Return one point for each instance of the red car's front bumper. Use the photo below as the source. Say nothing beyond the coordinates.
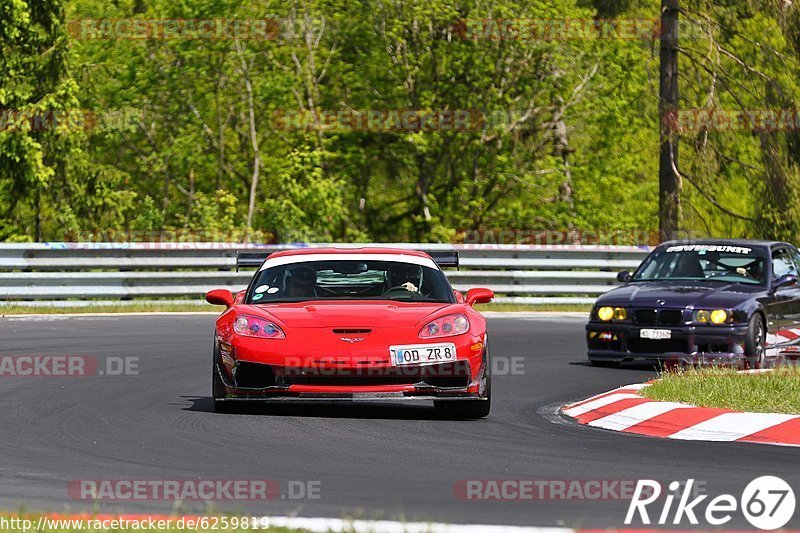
(250, 372)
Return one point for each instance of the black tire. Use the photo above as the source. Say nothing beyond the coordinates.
(755, 345)
(469, 409)
(218, 388)
(217, 392)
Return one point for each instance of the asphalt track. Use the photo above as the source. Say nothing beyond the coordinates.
(373, 462)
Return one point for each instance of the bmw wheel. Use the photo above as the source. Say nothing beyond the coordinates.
(755, 344)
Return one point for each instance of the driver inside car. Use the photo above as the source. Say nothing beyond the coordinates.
(301, 282)
(405, 276)
(688, 267)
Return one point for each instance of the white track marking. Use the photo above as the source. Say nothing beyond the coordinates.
(596, 404)
(731, 426)
(625, 389)
(634, 415)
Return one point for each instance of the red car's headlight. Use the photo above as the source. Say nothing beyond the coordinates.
(252, 326)
(445, 326)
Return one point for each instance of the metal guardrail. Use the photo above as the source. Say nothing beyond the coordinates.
(92, 273)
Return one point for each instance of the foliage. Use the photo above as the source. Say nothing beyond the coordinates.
(777, 391)
(191, 135)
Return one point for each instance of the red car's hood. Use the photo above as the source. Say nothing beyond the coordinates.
(350, 315)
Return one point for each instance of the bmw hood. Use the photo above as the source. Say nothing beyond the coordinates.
(679, 294)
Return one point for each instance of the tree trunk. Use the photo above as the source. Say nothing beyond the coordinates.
(669, 200)
(251, 207)
(37, 223)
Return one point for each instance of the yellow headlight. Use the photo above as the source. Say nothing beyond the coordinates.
(620, 313)
(718, 316)
(703, 316)
(605, 313)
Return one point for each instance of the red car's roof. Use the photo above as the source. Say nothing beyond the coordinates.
(347, 251)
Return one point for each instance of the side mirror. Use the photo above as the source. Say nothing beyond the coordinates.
(459, 296)
(479, 296)
(784, 281)
(623, 276)
(220, 297)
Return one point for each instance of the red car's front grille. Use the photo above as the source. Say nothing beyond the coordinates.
(446, 375)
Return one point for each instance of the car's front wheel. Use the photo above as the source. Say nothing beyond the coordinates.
(469, 409)
(218, 392)
(218, 388)
(755, 345)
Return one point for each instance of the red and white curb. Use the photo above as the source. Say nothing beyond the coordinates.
(785, 336)
(623, 409)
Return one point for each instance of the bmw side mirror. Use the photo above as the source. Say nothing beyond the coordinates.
(479, 296)
(784, 281)
(220, 297)
(623, 276)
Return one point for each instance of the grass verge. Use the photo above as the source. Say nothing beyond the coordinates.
(769, 392)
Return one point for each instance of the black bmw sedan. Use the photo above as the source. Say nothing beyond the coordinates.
(709, 301)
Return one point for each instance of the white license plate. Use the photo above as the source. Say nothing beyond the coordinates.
(655, 334)
(422, 354)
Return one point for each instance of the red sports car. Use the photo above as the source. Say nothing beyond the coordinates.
(345, 324)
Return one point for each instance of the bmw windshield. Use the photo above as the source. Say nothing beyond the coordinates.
(350, 280)
(732, 264)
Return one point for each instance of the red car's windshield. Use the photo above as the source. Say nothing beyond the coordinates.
(350, 280)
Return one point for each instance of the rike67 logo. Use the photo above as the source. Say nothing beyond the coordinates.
(767, 502)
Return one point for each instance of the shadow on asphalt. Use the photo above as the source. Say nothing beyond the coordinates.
(359, 410)
(648, 367)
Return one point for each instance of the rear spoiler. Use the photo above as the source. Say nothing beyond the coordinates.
(445, 258)
(250, 259)
(245, 259)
